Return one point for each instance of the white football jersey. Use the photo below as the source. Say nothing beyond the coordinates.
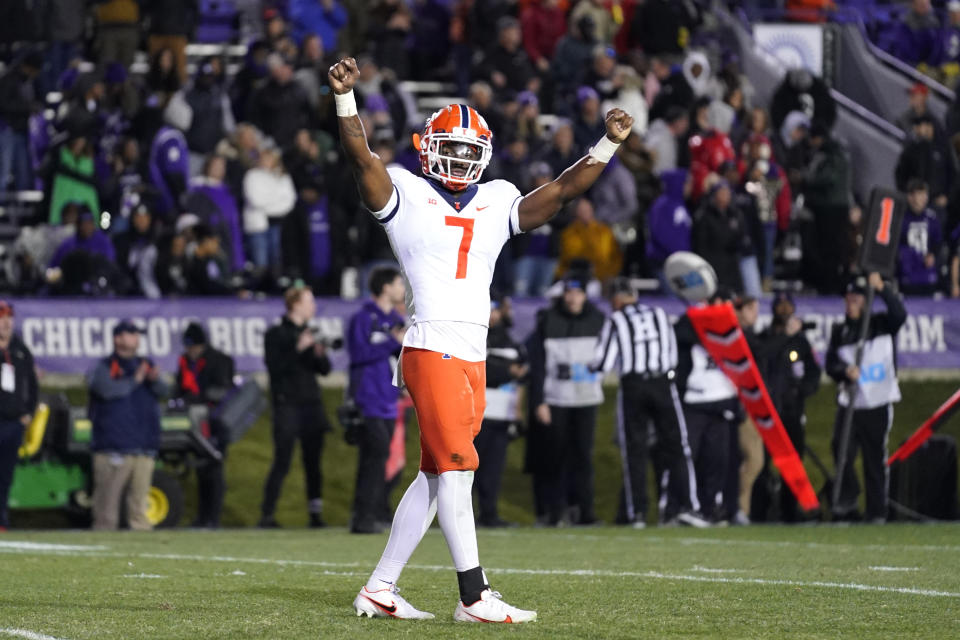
(447, 255)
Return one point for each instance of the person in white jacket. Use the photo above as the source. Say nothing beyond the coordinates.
(268, 196)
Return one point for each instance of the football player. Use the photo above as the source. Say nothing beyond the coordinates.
(447, 231)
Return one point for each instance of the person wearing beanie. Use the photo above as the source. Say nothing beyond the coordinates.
(564, 394)
(205, 377)
(877, 389)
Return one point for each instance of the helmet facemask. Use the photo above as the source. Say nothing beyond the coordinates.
(456, 160)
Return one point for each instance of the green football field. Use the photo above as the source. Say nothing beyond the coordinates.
(896, 581)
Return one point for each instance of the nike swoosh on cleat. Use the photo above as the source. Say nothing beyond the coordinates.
(392, 609)
(506, 620)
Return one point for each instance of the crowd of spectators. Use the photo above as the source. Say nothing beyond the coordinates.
(212, 177)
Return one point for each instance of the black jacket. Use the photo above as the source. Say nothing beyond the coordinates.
(207, 277)
(293, 374)
(502, 352)
(280, 110)
(928, 160)
(23, 399)
(718, 237)
(17, 99)
(206, 128)
(791, 373)
(207, 380)
(848, 331)
(171, 17)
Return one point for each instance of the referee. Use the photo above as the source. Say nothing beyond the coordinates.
(639, 341)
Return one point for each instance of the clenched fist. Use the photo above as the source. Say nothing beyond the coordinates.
(343, 76)
(618, 124)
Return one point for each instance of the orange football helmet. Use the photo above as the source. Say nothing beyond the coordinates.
(455, 147)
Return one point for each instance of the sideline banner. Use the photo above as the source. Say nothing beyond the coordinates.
(69, 335)
(720, 335)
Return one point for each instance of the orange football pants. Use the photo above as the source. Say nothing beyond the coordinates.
(449, 395)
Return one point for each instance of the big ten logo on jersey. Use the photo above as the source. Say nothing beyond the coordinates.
(873, 373)
(576, 372)
(431, 201)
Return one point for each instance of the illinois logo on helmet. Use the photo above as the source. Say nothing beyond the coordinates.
(455, 146)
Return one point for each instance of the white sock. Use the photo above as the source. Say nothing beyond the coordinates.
(455, 512)
(411, 521)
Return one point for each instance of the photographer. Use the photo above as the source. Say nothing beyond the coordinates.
(294, 357)
(792, 375)
(373, 342)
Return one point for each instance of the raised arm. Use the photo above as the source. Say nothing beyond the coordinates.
(368, 170)
(538, 207)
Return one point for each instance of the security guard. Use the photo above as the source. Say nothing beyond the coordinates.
(18, 400)
(792, 375)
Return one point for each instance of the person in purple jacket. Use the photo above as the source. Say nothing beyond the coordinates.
(948, 50)
(669, 220)
(169, 169)
(88, 238)
(920, 239)
(373, 341)
(210, 198)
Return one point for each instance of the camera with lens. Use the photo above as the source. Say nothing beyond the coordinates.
(330, 342)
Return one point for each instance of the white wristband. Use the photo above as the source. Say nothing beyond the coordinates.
(603, 150)
(346, 104)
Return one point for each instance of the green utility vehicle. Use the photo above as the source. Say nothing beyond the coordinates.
(54, 468)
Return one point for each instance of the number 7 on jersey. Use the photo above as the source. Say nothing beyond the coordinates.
(467, 224)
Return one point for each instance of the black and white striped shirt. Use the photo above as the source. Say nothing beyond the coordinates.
(640, 338)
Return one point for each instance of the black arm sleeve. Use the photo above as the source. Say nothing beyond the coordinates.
(891, 321)
(686, 338)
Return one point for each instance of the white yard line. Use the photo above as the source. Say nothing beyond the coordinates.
(143, 575)
(643, 537)
(650, 575)
(700, 569)
(883, 568)
(23, 545)
(24, 633)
